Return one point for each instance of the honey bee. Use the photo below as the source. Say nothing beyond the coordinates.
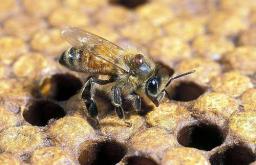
(132, 75)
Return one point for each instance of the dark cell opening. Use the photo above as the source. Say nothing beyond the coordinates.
(186, 91)
(60, 87)
(164, 69)
(201, 136)
(139, 160)
(107, 153)
(40, 112)
(130, 4)
(235, 155)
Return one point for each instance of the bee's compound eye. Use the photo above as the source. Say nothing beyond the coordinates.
(152, 86)
(138, 59)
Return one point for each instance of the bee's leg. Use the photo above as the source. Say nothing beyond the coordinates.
(136, 102)
(116, 97)
(87, 95)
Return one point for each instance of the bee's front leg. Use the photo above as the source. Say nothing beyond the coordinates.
(135, 101)
(116, 98)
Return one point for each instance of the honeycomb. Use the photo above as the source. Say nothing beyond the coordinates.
(208, 117)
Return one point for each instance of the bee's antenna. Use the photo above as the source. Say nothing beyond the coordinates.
(166, 93)
(178, 76)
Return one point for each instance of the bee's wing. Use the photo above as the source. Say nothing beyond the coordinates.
(95, 45)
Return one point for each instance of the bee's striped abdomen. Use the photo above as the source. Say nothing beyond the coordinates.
(85, 59)
(71, 58)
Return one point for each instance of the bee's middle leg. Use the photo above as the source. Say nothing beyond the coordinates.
(116, 97)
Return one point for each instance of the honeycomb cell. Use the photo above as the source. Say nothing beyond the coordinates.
(169, 50)
(227, 23)
(242, 124)
(139, 160)
(112, 126)
(71, 131)
(7, 118)
(248, 100)
(193, 7)
(60, 87)
(185, 28)
(217, 103)
(157, 13)
(63, 17)
(49, 42)
(167, 115)
(23, 26)
(232, 83)
(11, 48)
(40, 112)
(184, 156)
(14, 89)
(201, 135)
(4, 72)
(205, 69)
(20, 140)
(252, 17)
(7, 8)
(51, 155)
(107, 152)
(152, 141)
(233, 155)
(30, 65)
(41, 8)
(246, 37)
(140, 32)
(87, 5)
(234, 3)
(129, 4)
(185, 91)
(211, 46)
(7, 158)
(114, 16)
(242, 59)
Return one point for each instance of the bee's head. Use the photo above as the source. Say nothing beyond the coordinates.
(153, 89)
(157, 84)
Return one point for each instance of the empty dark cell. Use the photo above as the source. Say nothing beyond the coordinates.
(163, 69)
(235, 155)
(40, 112)
(129, 3)
(201, 136)
(186, 91)
(139, 160)
(107, 153)
(60, 87)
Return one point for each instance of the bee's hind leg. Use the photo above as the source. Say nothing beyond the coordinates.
(87, 95)
(88, 99)
(116, 97)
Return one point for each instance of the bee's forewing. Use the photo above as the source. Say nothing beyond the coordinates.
(79, 37)
(75, 36)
